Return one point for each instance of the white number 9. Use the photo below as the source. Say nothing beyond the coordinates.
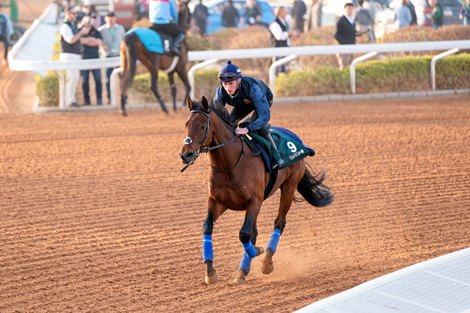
(291, 146)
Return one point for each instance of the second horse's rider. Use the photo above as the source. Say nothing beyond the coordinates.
(163, 14)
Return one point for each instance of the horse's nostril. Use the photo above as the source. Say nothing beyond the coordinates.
(187, 157)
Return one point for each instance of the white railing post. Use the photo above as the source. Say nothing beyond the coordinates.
(352, 68)
(272, 71)
(114, 86)
(433, 64)
(192, 72)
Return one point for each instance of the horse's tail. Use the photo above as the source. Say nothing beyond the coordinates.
(129, 57)
(313, 190)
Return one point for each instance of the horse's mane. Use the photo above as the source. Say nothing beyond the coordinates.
(221, 112)
(218, 109)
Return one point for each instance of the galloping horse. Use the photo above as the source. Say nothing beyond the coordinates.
(237, 181)
(132, 49)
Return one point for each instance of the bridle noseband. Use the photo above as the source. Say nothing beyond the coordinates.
(204, 148)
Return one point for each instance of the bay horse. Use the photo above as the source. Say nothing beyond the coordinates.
(237, 181)
(132, 49)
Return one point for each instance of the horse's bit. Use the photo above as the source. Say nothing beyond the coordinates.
(202, 148)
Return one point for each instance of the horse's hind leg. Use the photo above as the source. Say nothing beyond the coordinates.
(287, 196)
(171, 80)
(154, 88)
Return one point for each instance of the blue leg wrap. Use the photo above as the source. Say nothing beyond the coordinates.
(246, 262)
(250, 250)
(207, 253)
(274, 240)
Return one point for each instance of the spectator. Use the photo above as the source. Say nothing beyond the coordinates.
(314, 19)
(91, 42)
(365, 21)
(437, 14)
(299, 9)
(252, 13)
(280, 33)
(70, 50)
(465, 13)
(414, 17)
(403, 15)
(230, 15)
(6, 30)
(98, 20)
(141, 9)
(346, 34)
(112, 34)
(201, 13)
(164, 18)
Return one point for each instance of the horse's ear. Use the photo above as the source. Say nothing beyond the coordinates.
(205, 104)
(189, 103)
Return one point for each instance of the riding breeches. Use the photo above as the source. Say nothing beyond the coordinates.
(169, 29)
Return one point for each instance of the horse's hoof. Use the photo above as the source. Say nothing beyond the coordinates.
(123, 112)
(267, 267)
(240, 279)
(259, 251)
(211, 278)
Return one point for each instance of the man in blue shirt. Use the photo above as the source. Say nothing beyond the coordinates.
(246, 95)
(163, 14)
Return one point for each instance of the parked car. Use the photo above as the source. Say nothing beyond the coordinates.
(217, 6)
(385, 20)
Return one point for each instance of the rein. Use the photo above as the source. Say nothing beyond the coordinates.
(206, 149)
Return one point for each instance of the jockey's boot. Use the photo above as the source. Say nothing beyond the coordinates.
(276, 155)
(175, 48)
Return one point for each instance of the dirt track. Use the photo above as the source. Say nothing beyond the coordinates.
(95, 215)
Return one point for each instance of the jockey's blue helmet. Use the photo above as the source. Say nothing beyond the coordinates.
(229, 72)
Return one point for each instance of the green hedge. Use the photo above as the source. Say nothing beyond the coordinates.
(47, 89)
(391, 75)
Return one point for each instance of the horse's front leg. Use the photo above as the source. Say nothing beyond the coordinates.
(248, 235)
(213, 213)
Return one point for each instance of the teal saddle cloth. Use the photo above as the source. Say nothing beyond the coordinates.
(151, 40)
(290, 147)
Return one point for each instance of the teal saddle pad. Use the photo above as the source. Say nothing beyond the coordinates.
(151, 40)
(290, 147)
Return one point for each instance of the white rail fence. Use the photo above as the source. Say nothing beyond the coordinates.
(19, 63)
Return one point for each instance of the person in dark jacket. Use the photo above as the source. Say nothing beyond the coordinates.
(230, 15)
(414, 17)
(437, 14)
(201, 13)
(246, 95)
(299, 9)
(91, 43)
(346, 34)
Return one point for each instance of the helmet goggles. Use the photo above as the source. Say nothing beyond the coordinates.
(228, 77)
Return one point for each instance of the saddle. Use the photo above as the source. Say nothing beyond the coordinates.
(290, 147)
(153, 41)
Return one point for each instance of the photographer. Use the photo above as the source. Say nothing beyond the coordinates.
(91, 43)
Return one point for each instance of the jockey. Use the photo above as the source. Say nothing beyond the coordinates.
(246, 95)
(163, 14)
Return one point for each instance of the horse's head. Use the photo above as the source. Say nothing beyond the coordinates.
(198, 130)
